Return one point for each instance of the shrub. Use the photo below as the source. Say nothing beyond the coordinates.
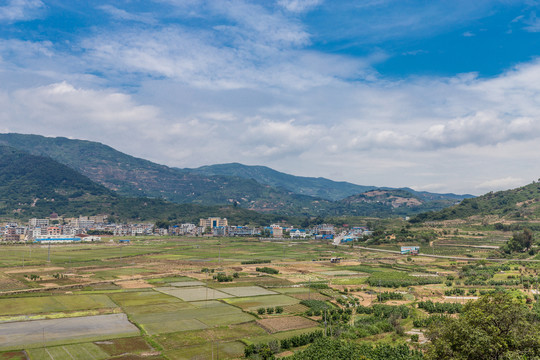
(267, 270)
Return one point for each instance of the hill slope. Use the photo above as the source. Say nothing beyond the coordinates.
(519, 203)
(35, 186)
(132, 176)
(253, 187)
(317, 187)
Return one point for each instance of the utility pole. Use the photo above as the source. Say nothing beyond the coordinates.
(49, 253)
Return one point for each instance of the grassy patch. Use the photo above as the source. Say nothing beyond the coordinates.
(135, 298)
(227, 350)
(222, 333)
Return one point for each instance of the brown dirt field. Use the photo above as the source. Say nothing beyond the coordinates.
(28, 270)
(133, 284)
(48, 284)
(295, 309)
(11, 284)
(126, 345)
(13, 355)
(278, 324)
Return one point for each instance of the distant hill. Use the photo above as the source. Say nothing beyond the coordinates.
(395, 202)
(252, 187)
(520, 203)
(131, 176)
(36, 186)
(317, 187)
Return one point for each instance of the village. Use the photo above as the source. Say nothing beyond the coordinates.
(56, 229)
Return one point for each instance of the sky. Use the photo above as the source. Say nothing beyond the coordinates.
(436, 95)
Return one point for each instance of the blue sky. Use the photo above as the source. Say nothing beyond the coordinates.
(436, 95)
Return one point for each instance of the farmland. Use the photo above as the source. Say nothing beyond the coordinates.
(160, 298)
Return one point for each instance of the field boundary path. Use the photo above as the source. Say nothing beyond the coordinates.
(445, 257)
(89, 283)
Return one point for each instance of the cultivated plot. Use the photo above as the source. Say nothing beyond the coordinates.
(187, 283)
(183, 316)
(48, 304)
(273, 325)
(227, 350)
(255, 302)
(247, 291)
(196, 293)
(69, 352)
(135, 298)
(56, 330)
(339, 273)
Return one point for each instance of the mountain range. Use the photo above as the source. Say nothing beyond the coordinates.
(36, 186)
(256, 188)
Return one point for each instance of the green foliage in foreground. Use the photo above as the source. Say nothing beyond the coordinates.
(329, 348)
(497, 326)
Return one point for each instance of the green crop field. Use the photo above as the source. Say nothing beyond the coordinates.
(181, 316)
(48, 304)
(149, 297)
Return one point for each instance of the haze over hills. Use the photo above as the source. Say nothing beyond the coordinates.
(36, 186)
(253, 187)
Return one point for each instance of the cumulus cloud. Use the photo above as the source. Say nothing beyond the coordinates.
(250, 87)
(20, 10)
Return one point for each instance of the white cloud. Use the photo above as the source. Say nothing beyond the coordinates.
(250, 88)
(299, 6)
(121, 14)
(501, 184)
(20, 10)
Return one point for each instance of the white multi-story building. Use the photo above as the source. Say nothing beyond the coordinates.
(39, 223)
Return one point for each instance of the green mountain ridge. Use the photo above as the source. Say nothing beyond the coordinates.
(36, 186)
(318, 187)
(256, 188)
(522, 203)
(312, 186)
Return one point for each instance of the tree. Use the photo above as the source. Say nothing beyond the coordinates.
(497, 326)
(162, 224)
(520, 241)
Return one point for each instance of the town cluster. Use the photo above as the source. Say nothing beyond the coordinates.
(90, 228)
